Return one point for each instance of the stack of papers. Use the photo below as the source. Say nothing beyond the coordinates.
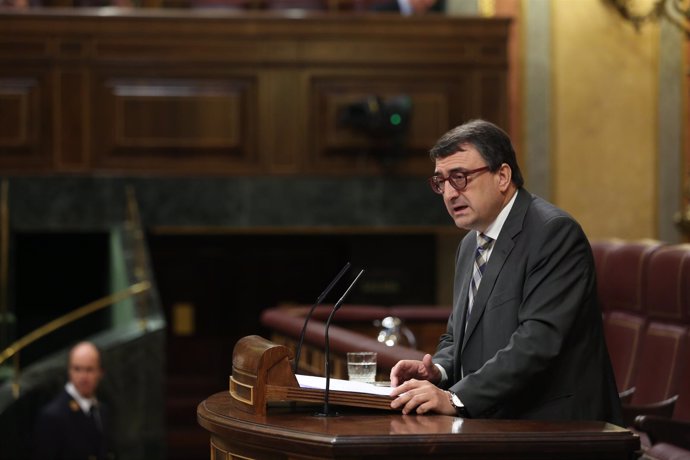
(319, 383)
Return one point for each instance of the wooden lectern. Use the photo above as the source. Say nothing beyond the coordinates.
(262, 373)
(240, 426)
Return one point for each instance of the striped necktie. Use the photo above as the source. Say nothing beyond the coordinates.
(480, 260)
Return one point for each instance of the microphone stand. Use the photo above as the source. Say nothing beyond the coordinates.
(311, 310)
(326, 409)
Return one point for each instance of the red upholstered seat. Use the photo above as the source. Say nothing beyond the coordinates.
(682, 408)
(600, 251)
(667, 294)
(624, 274)
(623, 269)
(623, 333)
(660, 363)
(665, 438)
(664, 344)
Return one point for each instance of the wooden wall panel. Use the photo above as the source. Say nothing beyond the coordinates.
(283, 133)
(73, 119)
(338, 146)
(494, 104)
(15, 103)
(171, 123)
(24, 126)
(229, 92)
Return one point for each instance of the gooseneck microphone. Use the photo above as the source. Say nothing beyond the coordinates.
(326, 409)
(323, 295)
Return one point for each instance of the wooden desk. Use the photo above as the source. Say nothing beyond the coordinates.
(295, 433)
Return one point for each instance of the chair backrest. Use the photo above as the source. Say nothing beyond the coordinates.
(624, 272)
(660, 363)
(623, 332)
(623, 268)
(682, 408)
(600, 251)
(664, 343)
(667, 290)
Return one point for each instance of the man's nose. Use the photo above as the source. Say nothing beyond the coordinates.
(449, 191)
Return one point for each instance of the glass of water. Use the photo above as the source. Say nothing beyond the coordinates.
(361, 366)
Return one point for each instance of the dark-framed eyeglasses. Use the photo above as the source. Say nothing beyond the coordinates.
(457, 179)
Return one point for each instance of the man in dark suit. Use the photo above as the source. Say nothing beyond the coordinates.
(74, 424)
(525, 337)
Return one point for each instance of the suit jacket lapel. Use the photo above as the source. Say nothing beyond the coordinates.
(502, 248)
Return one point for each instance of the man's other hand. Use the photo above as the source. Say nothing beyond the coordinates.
(414, 369)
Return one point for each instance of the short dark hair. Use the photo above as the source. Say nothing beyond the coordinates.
(492, 143)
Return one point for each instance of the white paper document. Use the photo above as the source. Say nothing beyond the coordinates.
(319, 383)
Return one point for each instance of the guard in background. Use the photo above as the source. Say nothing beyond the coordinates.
(74, 424)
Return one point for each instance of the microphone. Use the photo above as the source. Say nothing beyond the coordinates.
(311, 310)
(326, 410)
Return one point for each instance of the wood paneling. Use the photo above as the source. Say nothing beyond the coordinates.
(24, 129)
(171, 123)
(228, 92)
(337, 146)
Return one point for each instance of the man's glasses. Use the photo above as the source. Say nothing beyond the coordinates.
(458, 180)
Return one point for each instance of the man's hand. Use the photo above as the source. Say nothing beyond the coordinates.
(421, 397)
(413, 369)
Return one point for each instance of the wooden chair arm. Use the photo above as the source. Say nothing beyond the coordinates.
(662, 409)
(626, 395)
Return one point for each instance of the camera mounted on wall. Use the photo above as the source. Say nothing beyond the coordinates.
(385, 121)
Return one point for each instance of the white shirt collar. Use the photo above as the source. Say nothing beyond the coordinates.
(494, 229)
(84, 403)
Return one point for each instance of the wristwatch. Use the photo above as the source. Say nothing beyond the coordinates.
(457, 404)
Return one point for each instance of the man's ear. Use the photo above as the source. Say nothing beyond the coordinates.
(505, 176)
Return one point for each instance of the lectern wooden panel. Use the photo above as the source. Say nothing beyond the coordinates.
(265, 414)
(286, 432)
(262, 374)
